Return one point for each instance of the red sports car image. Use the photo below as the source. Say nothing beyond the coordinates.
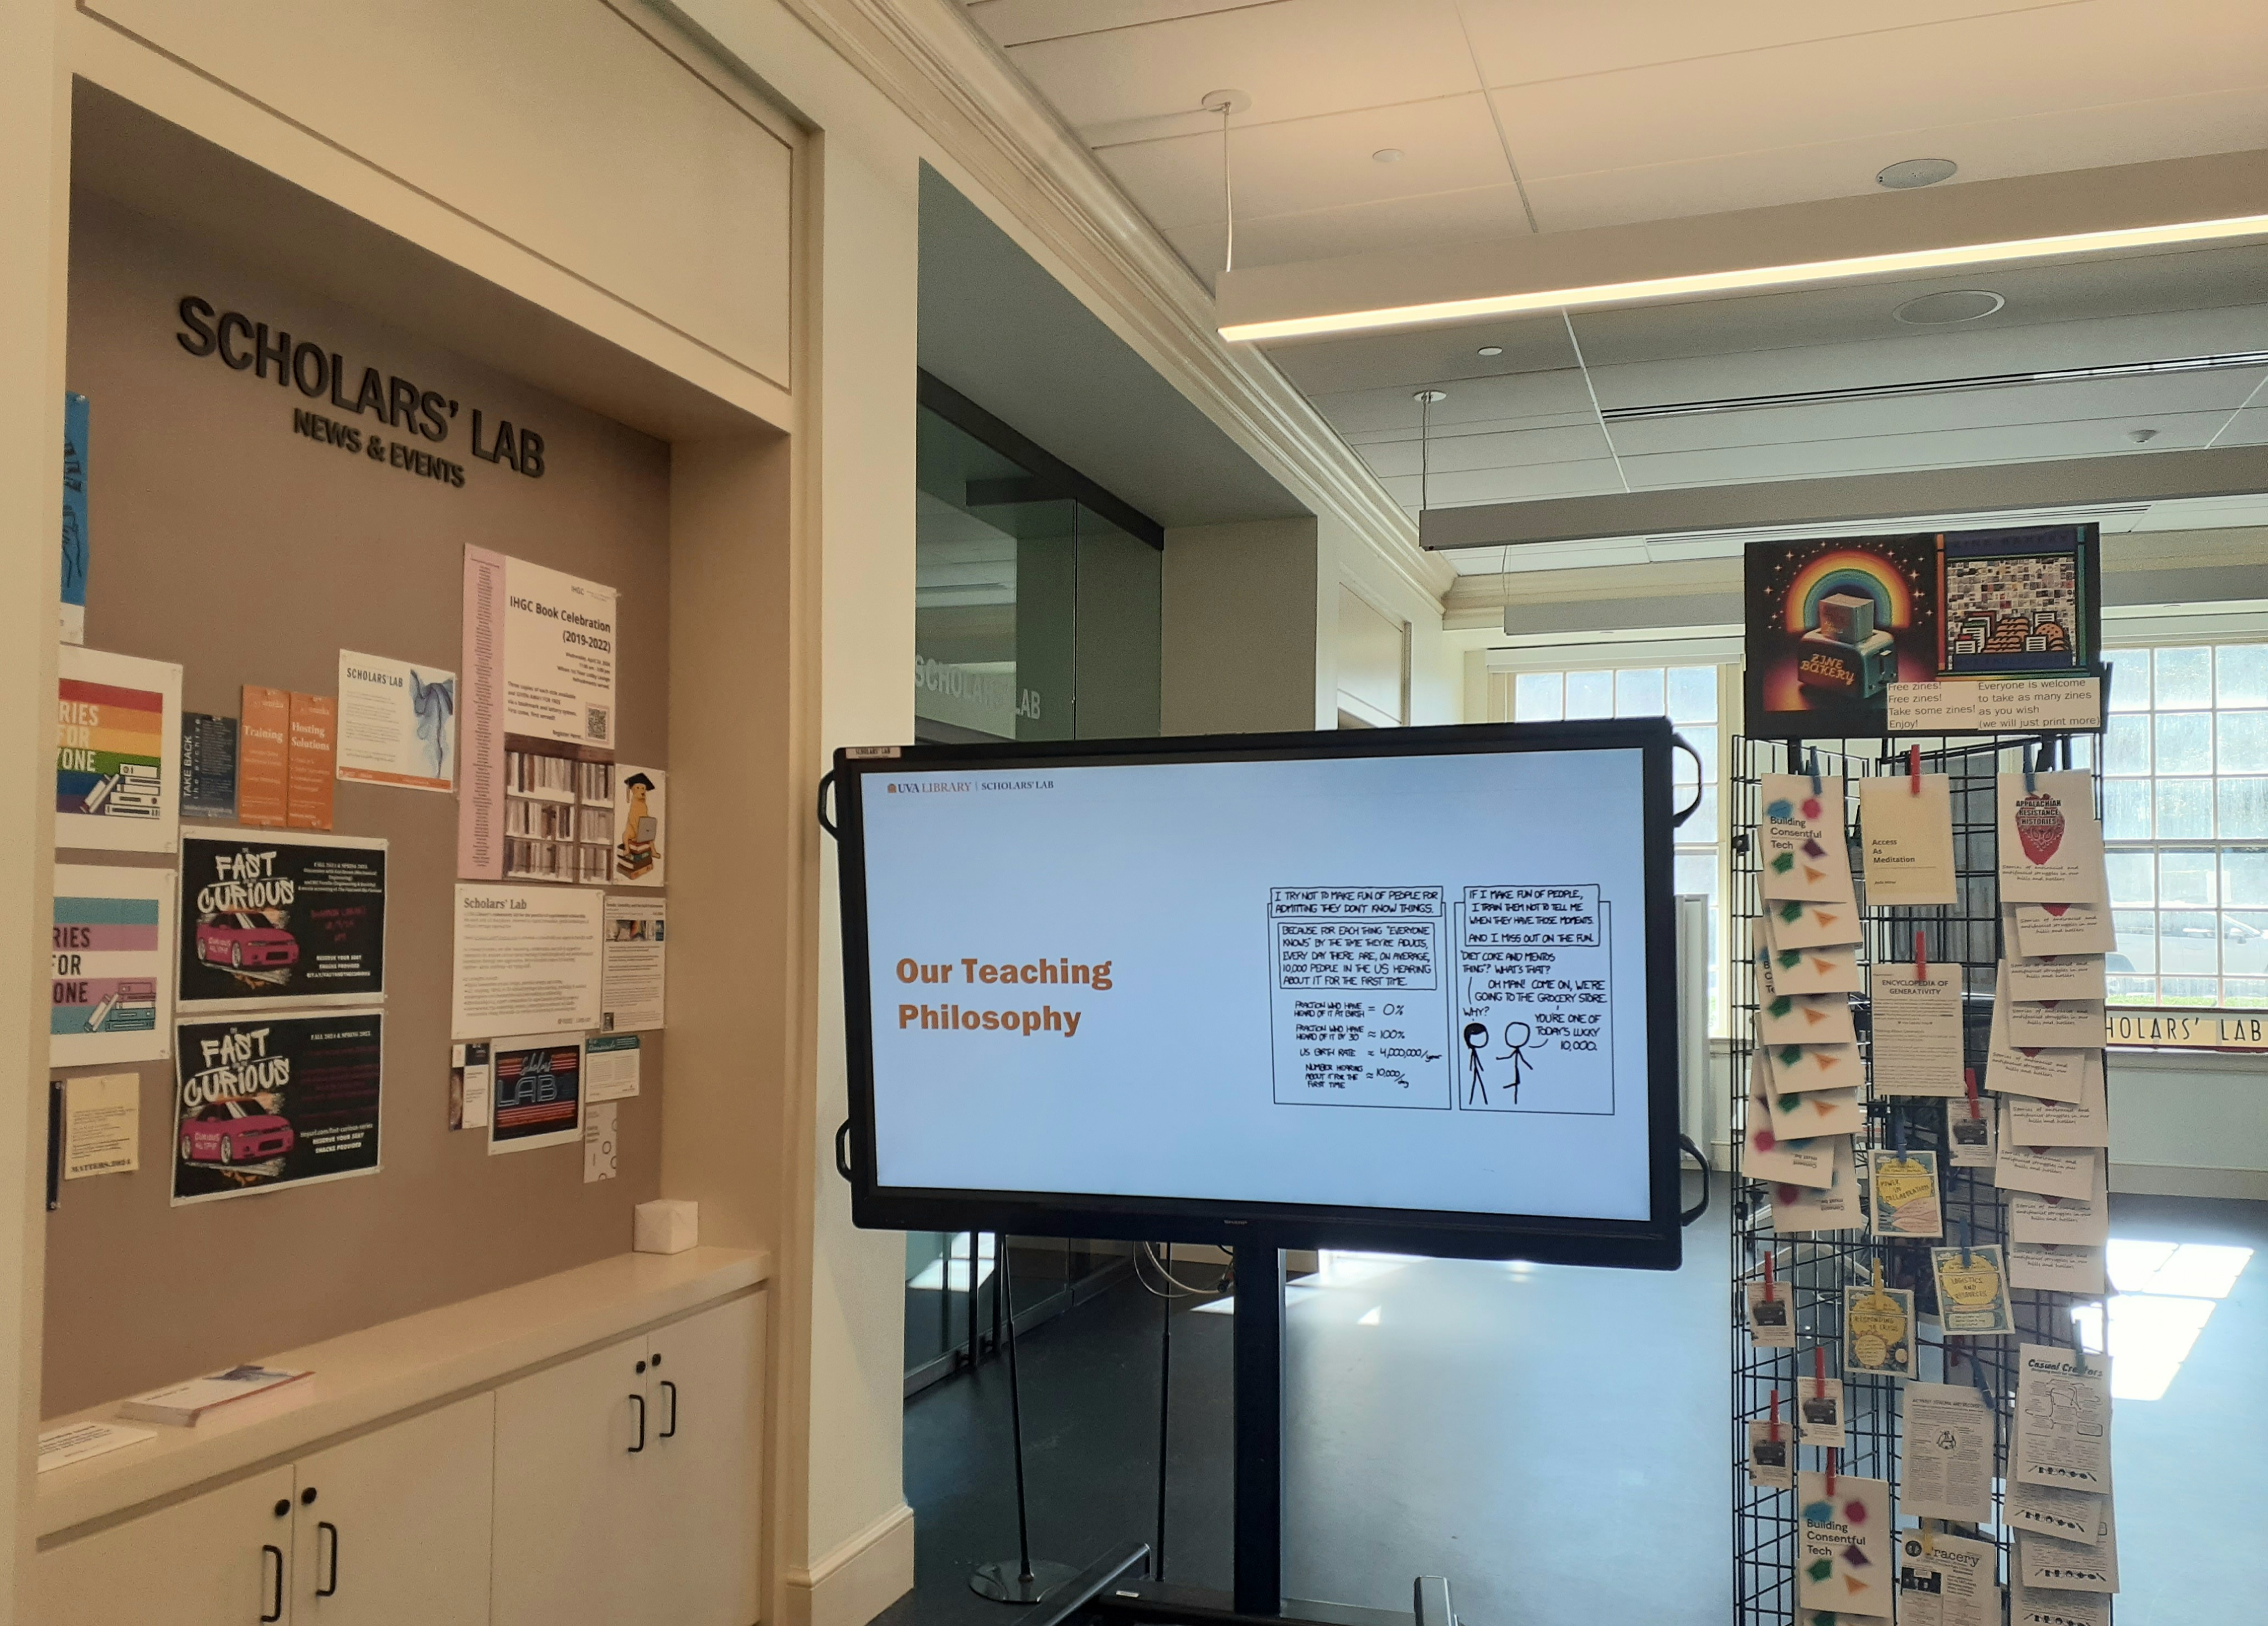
(225, 1133)
(241, 940)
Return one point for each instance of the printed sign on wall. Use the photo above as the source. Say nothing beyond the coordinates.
(262, 1102)
(273, 918)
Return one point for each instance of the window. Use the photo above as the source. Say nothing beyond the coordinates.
(2185, 823)
(1688, 696)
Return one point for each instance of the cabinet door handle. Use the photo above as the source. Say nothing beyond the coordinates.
(640, 1399)
(672, 1430)
(268, 1550)
(322, 1524)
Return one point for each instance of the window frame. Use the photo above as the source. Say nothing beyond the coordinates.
(1505, 668)
(2156, 846)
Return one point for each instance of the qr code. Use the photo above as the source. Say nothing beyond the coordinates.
(596, 722)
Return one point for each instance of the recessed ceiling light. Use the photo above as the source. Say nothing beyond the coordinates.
(1430, 396)
(1941, 310)
(2140, 436)
(1489, 349)
(1907, 173)
(1387, 155)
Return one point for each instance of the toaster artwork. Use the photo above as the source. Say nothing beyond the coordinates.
(1846, 653)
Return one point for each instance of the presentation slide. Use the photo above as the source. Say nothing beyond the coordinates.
(1405, 983)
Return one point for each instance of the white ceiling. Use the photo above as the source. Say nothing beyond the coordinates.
(1516, 115)
(1521, 116)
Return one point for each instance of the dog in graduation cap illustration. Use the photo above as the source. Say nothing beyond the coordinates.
(636, 853)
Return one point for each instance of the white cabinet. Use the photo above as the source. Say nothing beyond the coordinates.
(393, 1527)
(566, 1500)
(220, 1559)
(619, 1488)
(627, 1481)
(705, 1465)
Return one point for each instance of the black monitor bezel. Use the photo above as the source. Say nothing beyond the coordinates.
(1653, 1243)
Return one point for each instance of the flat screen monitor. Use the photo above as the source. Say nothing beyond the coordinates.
(1407, 990)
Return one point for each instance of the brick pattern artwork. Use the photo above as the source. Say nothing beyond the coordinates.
(2025, 604)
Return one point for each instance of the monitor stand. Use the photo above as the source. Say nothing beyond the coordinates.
(1112, 1591)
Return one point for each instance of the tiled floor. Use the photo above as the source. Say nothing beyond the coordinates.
(1553, 1440)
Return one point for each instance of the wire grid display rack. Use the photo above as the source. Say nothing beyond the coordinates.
(1814, 1269)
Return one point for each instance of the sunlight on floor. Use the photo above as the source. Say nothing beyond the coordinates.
(951, 1274)
(2165, 1294)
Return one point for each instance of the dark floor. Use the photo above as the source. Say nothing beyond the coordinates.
(1552, 1439)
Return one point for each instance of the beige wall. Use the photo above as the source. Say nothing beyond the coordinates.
(32, 236)
(249, 554)
(1239, 620)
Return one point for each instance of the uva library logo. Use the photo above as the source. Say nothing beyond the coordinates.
(414, 417)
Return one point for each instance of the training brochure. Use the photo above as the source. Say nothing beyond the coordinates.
(111, 988)
(397, 722)
(118, 751)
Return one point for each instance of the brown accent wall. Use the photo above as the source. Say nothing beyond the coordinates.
(249, 554)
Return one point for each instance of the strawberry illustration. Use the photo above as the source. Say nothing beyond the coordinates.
(2039, 826)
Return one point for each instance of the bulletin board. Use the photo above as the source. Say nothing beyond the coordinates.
(231, 532)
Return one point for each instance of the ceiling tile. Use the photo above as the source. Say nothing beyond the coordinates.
(1475, 215)
(2065, 138)
(1457, 454)
(2119, 405)
(1509, 485)
(1448, 144)
(1978, 353)
(2104, 54)
(1496, 403)
(1520, 41)
(2227, 278)
(1529, 343)
(1022, 22)
(1296, 59)
(2023, 442)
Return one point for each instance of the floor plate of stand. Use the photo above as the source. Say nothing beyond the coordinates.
(1001, 1583)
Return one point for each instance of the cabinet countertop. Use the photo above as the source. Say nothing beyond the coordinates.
(362, 1378)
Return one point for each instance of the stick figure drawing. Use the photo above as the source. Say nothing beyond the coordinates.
(1516, 1053)
(1476, 1037)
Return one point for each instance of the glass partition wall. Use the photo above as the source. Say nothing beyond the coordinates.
(1035, 617)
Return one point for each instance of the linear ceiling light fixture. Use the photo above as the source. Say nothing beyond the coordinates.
(1935, 387)
(1749, 278)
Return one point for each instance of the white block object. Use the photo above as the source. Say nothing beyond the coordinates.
(666, 1225)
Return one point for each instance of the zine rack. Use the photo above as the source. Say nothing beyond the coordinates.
(1814, 1269)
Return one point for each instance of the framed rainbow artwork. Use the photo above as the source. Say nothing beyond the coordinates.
(1832, 623)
